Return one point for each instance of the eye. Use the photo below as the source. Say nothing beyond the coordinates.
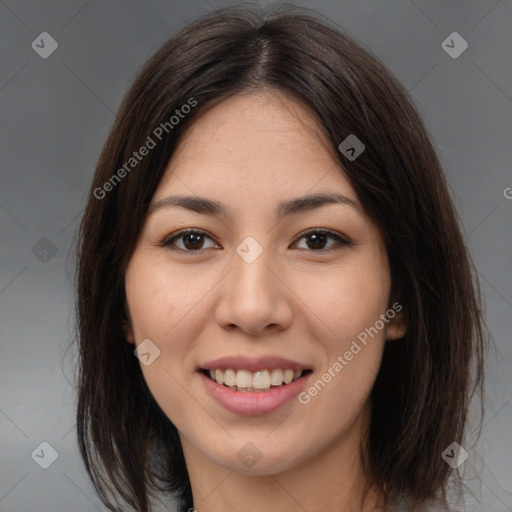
(192, 240)
(318, 238)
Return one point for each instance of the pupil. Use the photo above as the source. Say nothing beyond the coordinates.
(318, 238)
(194, 242)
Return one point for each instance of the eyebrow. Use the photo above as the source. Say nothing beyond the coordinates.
(284, 209)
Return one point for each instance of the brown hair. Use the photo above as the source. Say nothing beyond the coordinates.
(426, 380)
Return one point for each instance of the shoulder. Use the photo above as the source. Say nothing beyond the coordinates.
(404, 505)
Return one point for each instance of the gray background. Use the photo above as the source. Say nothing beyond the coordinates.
(55, 114)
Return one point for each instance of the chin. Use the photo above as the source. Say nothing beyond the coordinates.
(259, 458)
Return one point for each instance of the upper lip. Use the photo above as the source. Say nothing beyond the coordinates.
(254, 364)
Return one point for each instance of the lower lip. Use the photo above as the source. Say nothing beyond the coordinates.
(253, 403)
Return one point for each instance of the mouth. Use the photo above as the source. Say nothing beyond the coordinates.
(263, 380)
(253, 386)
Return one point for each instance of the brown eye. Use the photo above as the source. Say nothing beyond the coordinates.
(192, 240)
(317, 239)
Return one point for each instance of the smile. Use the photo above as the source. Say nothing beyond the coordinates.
(253, 386)
(260, 381)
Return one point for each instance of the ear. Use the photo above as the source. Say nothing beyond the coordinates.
(128, 332)
(127, 326)
(397, 326)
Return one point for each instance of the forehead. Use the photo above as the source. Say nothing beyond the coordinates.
(262, 144)
(249, 120)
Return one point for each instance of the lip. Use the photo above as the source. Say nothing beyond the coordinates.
(253, 403)
(254, 364)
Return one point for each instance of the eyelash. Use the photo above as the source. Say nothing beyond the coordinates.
(168, 241)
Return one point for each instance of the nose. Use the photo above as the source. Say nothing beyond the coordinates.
(254, 297)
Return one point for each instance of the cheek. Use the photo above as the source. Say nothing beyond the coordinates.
(152, 306)
(160, 298)
(347, 299)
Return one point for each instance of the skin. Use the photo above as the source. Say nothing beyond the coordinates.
(251, 152)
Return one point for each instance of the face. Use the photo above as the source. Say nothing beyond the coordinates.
(260, 293)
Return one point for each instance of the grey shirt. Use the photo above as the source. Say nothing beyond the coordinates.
(403, 505)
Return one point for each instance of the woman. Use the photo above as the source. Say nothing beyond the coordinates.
(276, 307)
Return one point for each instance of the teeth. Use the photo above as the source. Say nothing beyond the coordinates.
(230, 377)
(219, 376)
(263, 380)
(276, 377)
(243, 378)
(288, 376)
